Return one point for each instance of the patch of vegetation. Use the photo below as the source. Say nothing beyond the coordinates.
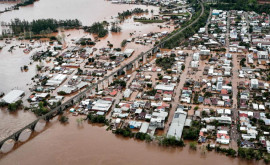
(41, 109)
(249, 153)
(250, 5)
(165, 63)
(97, 28)
(193, 145)
(63, 119)
(15, 106)
(190, 31)
(171, 141)
(122, 83)
(25, 3)
(208, 94)
(128, 13)
(151, 92)
(228, 152)
(126, 132)
(143, 136)
(61, 93)
(42, 26)
(123, 43)
(242, 62)
(96, 118)
(115, 28)
(192, 133)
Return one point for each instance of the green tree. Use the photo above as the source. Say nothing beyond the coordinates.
(63, 119)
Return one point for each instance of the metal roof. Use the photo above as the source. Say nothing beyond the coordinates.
(13, 96)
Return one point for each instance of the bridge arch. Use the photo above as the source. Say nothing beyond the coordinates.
(8, 145)
(40, 125)
(25, 135)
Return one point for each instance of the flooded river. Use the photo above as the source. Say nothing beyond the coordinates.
(87, 11)
(73, 143)
(87, 144)
(90, 11)
(6, 5)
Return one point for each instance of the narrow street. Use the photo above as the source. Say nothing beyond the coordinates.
(178, 88)
(228, 33)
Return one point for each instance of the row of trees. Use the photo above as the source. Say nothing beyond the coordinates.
(96, 118)
(25, 3)
(250, 5)
(41, 25)
(128, 13)
(228, 152)
(188, 32)
(126, 132)
(249, 153)
(171, 141)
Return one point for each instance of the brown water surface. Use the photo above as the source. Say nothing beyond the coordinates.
(73, 143)
(88, 11)
(87, 144)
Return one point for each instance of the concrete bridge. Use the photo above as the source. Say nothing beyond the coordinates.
(22, 135)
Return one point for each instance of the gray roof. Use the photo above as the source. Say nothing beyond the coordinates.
(177, 124)
(12, 96)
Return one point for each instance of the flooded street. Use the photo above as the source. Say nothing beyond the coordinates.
(13, 78)
(87, 144)
(83, 143)
(11, 62)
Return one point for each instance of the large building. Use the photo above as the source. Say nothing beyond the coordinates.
(177, 125)
(12, 96)
(102, 105)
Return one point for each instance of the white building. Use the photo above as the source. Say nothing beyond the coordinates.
(254, 84)
(177, 125)
(262, 55)
(12, 96)
(127, 93)
(164, 87)
(196, 56)
(102, 105)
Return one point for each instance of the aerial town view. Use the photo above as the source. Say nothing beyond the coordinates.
(130, 82)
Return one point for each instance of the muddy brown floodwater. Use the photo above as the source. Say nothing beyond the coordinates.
(89, 11)
(6, 5)
(73, 143)
(87, 144)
